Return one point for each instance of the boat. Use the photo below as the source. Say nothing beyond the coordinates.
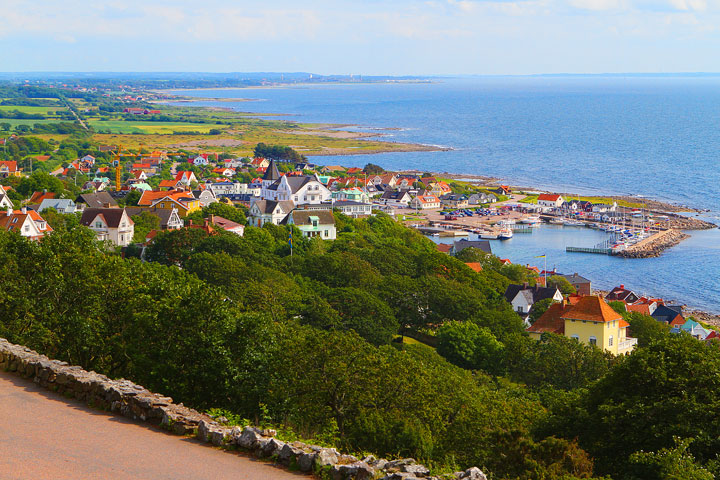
(505, 234)
(530, 220)
(557, 221)
(489, 236)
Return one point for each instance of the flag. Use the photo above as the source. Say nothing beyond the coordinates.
(290, 240)
(540, 256)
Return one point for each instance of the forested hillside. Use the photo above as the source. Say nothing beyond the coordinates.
(308, 342)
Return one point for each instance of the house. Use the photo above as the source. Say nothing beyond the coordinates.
(139, 175)
(301, 190)
(224, 171)
(183, 201)
(96, 200)
(206, 196)
(332, 169)
(620, 294)
(227, 225)
(590, 320)
(200, 160)
(27, 223)
(259, 162)
(669, 314)
(169, 184)
(169, 218)
(695, 329)
(313, 223)
(578, 205)
(61, 205)
(5, 201)
(582, 285)
(461, 245)
(400, 199)
(405, 183)
(354, 194)
(186, 177)
(523, 297)
(269, 211)
(110, 224)
(550, 200)
(480, 198)
(38, 197)
(603, 208)
(8, 168)
(425, 202)
(503, 190)
(454, 200)
(444, 248)
(87, 161)
(353, 209)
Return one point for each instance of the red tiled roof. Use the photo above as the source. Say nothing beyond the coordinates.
(443, 247)
(550, 197)
(592, 308)
(642, 308)
(474, 266)
(551, 321)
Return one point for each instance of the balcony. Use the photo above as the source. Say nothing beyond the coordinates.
(627, 345)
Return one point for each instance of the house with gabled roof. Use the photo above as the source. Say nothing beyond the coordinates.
(61, 205)
(669, 314)
(186, 177)
(183, 201)
(400, 199)
(313, 223)
(8, 168)
(621, 294)
(551, 200)
(222, 223)
(590, 320)
(582, 285)
(5, 201)
(523, 297)
(425, 202)
(27, 223)
(110, 224)
(169, 218)
(259, 162)
(269, 211)
(301, 190)
(96, 200)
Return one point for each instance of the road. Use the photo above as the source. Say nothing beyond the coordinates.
(44, 436)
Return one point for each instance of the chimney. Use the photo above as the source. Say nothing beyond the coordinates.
(190, 222)
(106, 205)
(212, 219)
(23, 210)
(525, 285)
(622, 286)
(9, 211)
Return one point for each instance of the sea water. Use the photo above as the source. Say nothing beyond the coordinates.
(657, 137)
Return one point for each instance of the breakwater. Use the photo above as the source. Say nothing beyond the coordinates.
(654, 245)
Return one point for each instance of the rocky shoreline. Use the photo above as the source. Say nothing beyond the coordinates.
(655, 247)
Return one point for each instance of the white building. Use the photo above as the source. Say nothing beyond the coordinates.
(269, 211)
(314, 223)
(113, 224)
(550, 200)
(301, 190)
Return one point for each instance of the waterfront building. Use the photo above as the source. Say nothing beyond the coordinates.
(590, 320)
(550, 200)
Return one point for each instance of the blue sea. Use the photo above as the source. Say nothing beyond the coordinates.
(657, 137)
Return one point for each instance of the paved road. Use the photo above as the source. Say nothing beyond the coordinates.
(45, 436)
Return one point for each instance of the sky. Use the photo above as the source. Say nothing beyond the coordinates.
(368, 37)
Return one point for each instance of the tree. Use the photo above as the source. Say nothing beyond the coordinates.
(562, 284)
(144, 223)
(5, 126)
(538, 309)
(668, 464)
(372, 169)
(469, 346)
(218, 209)
(132, 198)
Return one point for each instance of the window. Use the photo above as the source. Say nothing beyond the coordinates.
(593, 341)
(610, 340)
(122, 238)
(575, 337)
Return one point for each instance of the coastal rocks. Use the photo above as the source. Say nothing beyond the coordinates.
(654, 246)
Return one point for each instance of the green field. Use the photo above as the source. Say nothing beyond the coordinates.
(14, 122)
(40, 110)
(161, 128)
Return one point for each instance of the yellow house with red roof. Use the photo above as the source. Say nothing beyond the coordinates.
(590, 320)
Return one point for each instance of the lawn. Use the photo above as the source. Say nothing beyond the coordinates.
(160, 128)
(40, 110)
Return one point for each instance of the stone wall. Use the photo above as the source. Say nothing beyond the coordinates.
(130, 400)
(655, 245)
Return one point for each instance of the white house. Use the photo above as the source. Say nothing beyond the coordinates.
(199, 161)
(206, 197)
(269, 211)
(550, 200)
(399, 199)
(523, 297)
(113, 224)
(27, 223)
(314, 223)
(4, 199)
(301, 190)
(425, 202)
(353, 209)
